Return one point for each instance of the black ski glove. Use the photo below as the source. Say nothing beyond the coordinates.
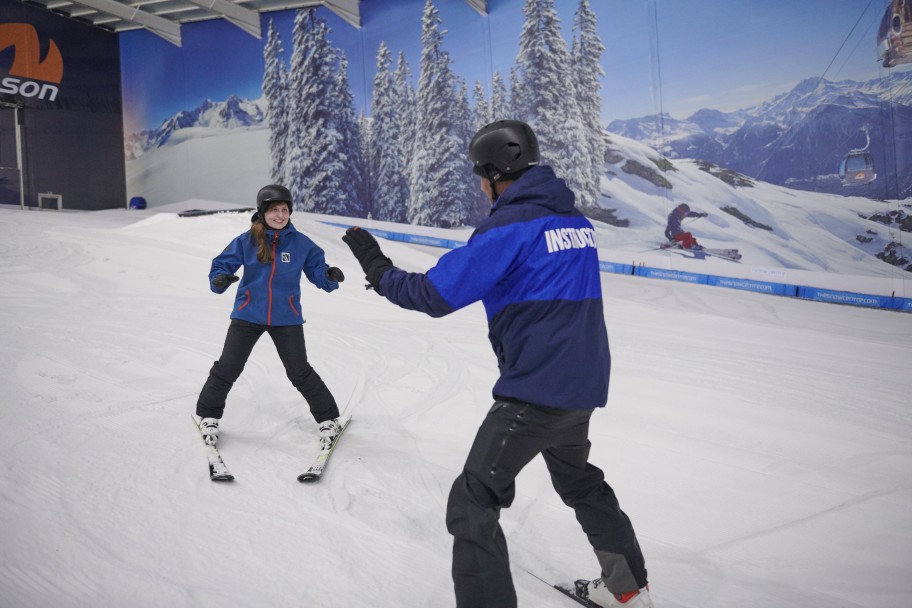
(335, 274)
(704, 214)
(222, 281)
(365, 248)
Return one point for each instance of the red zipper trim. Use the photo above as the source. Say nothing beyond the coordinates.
(246, 302)
(291, 303)
(269, 286)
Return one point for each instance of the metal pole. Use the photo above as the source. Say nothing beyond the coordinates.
(19, 159)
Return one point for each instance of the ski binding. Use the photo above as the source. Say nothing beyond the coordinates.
(315, 471)
(218, 470)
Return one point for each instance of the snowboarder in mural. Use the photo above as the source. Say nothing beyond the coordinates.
(678, 238)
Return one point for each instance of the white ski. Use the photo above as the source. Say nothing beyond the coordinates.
(315, 471)
(729, 254)
(218, 470)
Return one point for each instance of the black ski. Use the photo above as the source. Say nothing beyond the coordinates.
(218, 470)
(574, 593)
(315, 471)
(571, 593)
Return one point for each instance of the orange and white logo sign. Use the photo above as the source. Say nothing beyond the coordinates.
(30, 75)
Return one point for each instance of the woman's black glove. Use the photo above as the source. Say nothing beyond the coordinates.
(365, 248)
(335, 274)
(222, 281)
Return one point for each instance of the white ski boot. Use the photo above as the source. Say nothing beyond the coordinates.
(328, 431)
(596, 592)
(209, 429)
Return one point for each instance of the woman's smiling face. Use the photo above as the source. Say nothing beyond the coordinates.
(277, 215)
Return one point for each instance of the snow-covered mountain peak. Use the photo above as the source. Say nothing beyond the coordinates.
(233, 113)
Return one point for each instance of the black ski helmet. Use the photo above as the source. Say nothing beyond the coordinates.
(683, 208)
(272, 194)
(503, 148)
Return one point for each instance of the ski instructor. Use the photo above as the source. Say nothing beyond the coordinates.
(534, 265)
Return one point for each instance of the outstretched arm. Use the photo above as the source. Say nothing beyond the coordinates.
(224, 266)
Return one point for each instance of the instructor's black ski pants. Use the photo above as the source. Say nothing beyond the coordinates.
(289, 342)
(512, 435)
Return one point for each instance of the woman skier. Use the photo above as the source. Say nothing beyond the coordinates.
(274, 256)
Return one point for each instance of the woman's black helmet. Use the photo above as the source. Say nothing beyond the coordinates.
(503, 149)
(272, 194)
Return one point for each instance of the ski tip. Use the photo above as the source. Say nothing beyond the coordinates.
(222, 478)
(307, 477)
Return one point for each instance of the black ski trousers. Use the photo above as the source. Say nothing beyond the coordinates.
(289, 342)
(512, 435)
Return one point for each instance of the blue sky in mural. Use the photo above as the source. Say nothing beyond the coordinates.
(720, 54)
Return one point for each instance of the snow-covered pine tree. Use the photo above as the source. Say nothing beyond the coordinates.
(438, 171)
(352, 198)
(275, 85)
(586, 56)
(388, 185)
(515, 105)
(545, 94)
(314, 169)
(498, 107)
(482, 111)
(482, 116)
(404, 94)
(364, 126)
(477, 205)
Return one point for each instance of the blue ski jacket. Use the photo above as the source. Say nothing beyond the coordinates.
(533, 263)
(270, 294)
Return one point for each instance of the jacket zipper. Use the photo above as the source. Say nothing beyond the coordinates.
(269, 286)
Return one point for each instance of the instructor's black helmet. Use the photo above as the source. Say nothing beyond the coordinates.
(503, 149)
(272, 194)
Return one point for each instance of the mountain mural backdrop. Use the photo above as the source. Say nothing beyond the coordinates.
(796, 139)
(232, 113)
(799, 138)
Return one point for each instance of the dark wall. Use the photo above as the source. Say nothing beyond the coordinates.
(72, 141)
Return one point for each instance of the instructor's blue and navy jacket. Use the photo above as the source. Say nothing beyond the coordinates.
(534, 265)
(270, 294)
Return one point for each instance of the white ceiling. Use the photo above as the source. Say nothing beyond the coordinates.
(164, 17)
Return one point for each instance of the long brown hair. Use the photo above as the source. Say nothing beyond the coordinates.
(258, 231)
(258, 234)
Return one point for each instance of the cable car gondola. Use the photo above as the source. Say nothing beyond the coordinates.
(857, 168)
(894, 36)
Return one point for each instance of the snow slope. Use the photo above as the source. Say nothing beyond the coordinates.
(761, 445)
(812, 238)
(809, 238)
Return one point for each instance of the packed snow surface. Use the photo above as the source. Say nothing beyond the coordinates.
(761, 445)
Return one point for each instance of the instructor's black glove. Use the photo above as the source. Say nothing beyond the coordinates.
(364, 246)
(704, 214)
(335, 274)
(222, 281)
